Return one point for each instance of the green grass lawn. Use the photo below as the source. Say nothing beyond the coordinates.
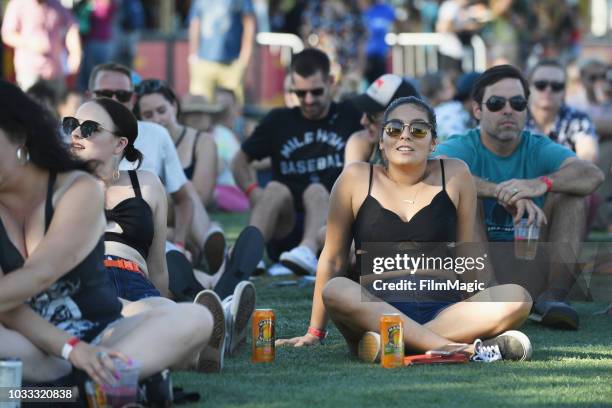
(568, 369)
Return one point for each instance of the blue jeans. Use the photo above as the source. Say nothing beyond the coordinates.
(130, 285)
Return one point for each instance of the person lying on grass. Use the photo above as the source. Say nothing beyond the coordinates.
(409, 198)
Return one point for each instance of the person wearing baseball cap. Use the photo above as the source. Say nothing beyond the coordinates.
(361, 145)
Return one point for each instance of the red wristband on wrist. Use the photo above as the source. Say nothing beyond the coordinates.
(73, 341)
(250, 189)
(321, 334)
(547, 181)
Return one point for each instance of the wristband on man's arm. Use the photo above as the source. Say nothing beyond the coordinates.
(548, 182)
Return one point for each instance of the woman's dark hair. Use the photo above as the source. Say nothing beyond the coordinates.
(27, 123)
(151, 86)
(126, 125)
(417, 103)
(494, 75)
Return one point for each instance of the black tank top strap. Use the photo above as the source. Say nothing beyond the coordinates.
(181, 136)
(49, 201)
(443, 177)
(371, 177)
(135, 183)
(195, 146)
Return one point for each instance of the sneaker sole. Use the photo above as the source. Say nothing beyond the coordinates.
(368, 349)
(525, 342)
(296, 268)
(246, 305)
(214, 250)
(210, 359)
(560, 317)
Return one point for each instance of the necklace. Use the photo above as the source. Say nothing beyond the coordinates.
(417, 190)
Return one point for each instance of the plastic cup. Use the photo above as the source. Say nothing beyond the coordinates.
(125, 390)
(526, 240)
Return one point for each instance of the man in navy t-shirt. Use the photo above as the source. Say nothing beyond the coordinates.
(306, 147)
(519, 174)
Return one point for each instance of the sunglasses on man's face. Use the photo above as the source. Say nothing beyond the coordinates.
(301, 93)
(596, 76)
(417, 129)
(88, 127)
(497, 103)
(555, 86)
(122, 96)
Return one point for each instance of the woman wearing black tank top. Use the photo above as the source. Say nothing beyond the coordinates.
(55, 299)
(157, 103)
(135, 203)
(409, 199)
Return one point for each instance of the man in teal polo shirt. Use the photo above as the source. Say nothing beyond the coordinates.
(519, 174)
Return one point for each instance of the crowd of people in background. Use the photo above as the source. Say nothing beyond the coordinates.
(356, 155)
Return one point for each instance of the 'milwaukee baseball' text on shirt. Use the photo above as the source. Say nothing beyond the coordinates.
(304, 151)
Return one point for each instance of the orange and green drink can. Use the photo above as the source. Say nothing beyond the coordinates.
(392, 341)
(263, 336)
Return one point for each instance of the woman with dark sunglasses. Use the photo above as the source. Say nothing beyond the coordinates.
(409, 198)
(156, 102)
(55, 299)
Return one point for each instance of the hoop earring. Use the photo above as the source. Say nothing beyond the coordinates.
(23, 155)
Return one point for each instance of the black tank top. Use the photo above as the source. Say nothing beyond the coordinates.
(436, 222)
(135, 218)
(191, 168)
(82, 302)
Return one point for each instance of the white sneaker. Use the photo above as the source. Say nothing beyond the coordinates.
(279, 270)
(238, 309)
(512, 345)
(301, 260)
(260, 269)
(210, 359)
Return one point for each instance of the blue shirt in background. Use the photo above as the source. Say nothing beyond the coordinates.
(378, 20)
(535, 156)
(220, 28)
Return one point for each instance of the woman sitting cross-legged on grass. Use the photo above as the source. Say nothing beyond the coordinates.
(104, 131)
(410, 198)
(52, 280)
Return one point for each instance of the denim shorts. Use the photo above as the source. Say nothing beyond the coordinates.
(130, 285)
(421, 312)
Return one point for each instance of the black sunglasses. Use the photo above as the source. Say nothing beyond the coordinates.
(417, 129)
(555, 86)
(497, 103)
(150, 86)
(595, 77)
(122, 96)
(88, 127)
(301, 93)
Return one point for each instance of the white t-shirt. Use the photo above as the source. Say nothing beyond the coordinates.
(159, 156)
